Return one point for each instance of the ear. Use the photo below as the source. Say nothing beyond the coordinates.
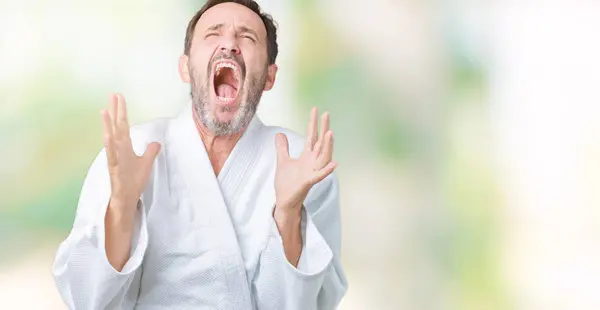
(272, 72)
(184, 71)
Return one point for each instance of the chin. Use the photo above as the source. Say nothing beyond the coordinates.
(225, 114)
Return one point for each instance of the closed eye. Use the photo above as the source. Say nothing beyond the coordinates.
(210, 34)
(249, 38)
(247, 33)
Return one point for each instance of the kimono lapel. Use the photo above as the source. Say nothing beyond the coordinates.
(241, 162)
(209, 210)
(186, 150)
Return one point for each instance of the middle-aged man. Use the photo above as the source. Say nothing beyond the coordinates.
(210, 209)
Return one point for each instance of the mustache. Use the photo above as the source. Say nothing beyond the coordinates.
(238, 59)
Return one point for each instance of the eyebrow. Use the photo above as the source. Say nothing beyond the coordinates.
(214, 27)
(240, 29)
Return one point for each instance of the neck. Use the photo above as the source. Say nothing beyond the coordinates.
(218, 148)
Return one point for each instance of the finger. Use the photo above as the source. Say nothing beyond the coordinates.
(311, 131)
(148, 158)
(281, 143)
(317, 147)
(324, 126)
(108, 139)
(121, 130)
(327, 153)
(323, 173)
(112, 111)
(122, 111)
(150, 154)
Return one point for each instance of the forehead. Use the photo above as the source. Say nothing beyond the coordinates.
(229, 14)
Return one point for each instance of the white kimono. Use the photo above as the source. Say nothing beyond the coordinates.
(200, 241)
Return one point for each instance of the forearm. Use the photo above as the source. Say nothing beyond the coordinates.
(289, 224)
(285, 281)
(118, 233)
(86, 276)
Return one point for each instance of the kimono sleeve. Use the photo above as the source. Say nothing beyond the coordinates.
(318, 282)
(84, 277)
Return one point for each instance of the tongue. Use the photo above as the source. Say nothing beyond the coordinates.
(225, 90)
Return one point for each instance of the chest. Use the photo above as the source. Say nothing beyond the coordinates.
(233, 215)
(205, 238)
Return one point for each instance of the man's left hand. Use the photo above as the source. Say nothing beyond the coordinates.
(295, 177)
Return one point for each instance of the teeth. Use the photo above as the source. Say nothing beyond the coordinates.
(222, 65)
(226, 65)
(225, 99)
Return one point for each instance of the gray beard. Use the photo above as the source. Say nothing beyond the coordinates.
(244, 114)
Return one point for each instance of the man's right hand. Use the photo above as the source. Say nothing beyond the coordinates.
(129, 175)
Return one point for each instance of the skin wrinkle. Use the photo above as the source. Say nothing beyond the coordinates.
(249, 91)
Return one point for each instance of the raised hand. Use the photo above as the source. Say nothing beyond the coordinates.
(129, 173)
(295, 177)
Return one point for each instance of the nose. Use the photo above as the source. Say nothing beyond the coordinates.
(229, 45)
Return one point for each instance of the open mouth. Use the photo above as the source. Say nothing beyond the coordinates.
(226, 81)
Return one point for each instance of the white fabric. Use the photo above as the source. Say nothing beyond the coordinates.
(203, 242)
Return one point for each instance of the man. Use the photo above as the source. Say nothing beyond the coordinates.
(219, 211)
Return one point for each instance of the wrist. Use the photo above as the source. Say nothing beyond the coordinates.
(287, 215)
(121, 215)
(124, 201)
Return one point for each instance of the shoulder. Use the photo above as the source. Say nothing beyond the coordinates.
(295, 140)
(144, 133)
(141, 135)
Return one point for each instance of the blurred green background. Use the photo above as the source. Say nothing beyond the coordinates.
(450, 195)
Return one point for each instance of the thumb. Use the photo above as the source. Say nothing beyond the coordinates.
(151, 152)
(281, 143)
